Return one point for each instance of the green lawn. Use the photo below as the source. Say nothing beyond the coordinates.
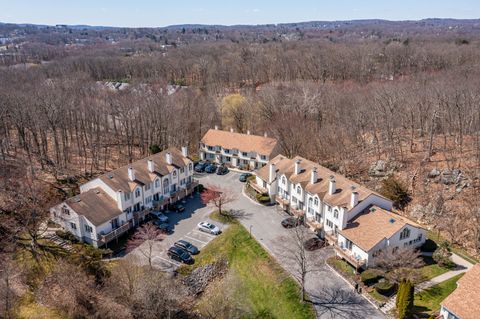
(454, 248)
(342, 266)
(431, 269)
(266, 289)
(428, 301)
(379, 296)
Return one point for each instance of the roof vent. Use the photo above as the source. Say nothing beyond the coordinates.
(110, 176)
(392, 220)
(97, 191)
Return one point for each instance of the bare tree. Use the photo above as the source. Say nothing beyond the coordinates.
(400, 263)
(144, 240)
(218, 197)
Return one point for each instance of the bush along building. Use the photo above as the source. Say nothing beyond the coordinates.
(353, 218)
(111, 204)
(245, 151)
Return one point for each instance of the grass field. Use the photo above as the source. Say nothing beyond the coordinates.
(432, 269)
(266, 289)
(428, 301)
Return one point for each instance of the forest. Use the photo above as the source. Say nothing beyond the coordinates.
(366, 104)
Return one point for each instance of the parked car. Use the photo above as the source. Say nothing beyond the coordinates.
(243, 177)
(176, 207)
(313, 243)
(222, 170)
(290, 222)
(185, 245)
(208, 228)
(200, 167)
(180, 255)
(160, 216)
(164, 227)
(211, 168)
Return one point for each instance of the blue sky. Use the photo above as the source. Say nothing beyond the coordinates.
(153, 13)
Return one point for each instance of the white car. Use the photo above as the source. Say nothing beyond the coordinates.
(209, 228)
(160, 216)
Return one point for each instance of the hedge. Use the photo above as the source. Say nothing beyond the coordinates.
(371, 276)
(385, 287)
(429, 246)
(261, 198)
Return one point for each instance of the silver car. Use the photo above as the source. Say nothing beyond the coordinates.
(209, 228)
(160, 216)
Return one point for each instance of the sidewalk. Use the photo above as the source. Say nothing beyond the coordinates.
(462, 266)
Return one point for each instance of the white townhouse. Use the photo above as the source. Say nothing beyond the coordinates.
(112, 203)
(246, 151)
(339, 208)
(464, 301)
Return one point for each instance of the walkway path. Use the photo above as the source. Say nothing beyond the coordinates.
(462, 266)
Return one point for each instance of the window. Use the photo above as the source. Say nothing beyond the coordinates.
(405, 233)
(315, 201)
(190, 166)
(299, 190)
(126, 196)
(294, 199)
(244, 154)
(263, 157)
(137, 192)
(73, 226)
(329, 223)
(227, 151)
(310, 201)
(329, 208)
(136, 207)
(210, 148)
(128, 210)
(182, 170)
(284, 180)
(189, 179)
(182, 182)
(335, 213)
(174, 188)
(148, 200)
(88, 228)
(228, 159)
(166, 185)
(147, 186)
(65, 211)
(174, 173)
(157, 182)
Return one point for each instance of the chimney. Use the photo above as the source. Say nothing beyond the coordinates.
(265, 134)
(168, 158)
(314, 176)
(216, 127)
(332, 188)
(184, 151)
(272, 173)
(131, 173)
(354, 197)
(231, 130)
(297, 167)
(151, 166)
(248, 132)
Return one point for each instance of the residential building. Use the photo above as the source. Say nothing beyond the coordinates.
(464, 301)
(112, 203)
(338, 208)
(246, 151)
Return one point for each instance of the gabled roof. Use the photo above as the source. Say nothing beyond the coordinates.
(464, 302)
(375, 224)
(95, 205)
(243, 142)
(341, 197)
(118, 179)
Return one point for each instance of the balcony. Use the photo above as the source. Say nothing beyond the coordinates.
(282, 201)
(103, 239)
(349, 257)
(259, 189)
(297, 211)
(331, 237)
(314, 224)
(191, 186)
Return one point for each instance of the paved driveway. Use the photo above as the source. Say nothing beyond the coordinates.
(184, 227)
(332, 296)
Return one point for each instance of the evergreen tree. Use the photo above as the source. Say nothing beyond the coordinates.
(405, 298)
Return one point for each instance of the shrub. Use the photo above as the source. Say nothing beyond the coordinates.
(200, 188)
(385, 287)
(429, 246)
(154, 149)
(262, 198)
(396, 191)
(442, 257)
(371, 276)
(66, 236)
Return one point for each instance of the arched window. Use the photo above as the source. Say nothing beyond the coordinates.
(137, 192)
(335, 213)
(174, 173)
(405, 233)
(157, 183)
(299, 190)
(165, 182)
(315, 201)
(284, 181)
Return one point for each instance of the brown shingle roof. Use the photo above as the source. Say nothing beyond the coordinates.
(243, 142)
(95, 205)
(118, 179)
(370, 227)
(340, 198)
(464, 302)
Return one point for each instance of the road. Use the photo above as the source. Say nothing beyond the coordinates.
(332, 296)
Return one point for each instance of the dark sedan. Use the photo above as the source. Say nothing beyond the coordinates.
(290, 222)
(176, 208)
(164, 227)
(180, 255)
(211, 168)
(185, 245)
(222, 170)
(243, 177)
(200, 167)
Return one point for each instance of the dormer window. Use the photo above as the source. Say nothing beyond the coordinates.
(405, 233)
(227, 151)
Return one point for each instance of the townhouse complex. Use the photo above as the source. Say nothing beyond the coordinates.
(246, 151)
(357, 220)
(464, 301)
(111, 204)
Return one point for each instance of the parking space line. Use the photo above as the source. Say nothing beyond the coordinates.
(203, 233)
(200, 241)
(167, 260)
